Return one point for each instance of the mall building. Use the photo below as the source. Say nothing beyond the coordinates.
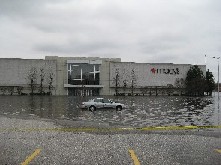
(90, 76)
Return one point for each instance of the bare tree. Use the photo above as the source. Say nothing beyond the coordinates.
(42, 75)
(19, 90)
(125, 86)
(116, 81)
(133, 81)
(50, 82)
(177, 83)
(144, 90)
(170, 89)
(11, 90)
(32, 76)
(182, 83)
(3, 90)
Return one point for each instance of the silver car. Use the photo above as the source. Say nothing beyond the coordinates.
(93, 104)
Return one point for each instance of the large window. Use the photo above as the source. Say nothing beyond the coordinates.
(83, 74)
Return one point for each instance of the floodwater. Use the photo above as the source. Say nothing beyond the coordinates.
(140, 112)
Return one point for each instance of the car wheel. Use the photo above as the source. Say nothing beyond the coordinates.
(119, 108)
(92, 108)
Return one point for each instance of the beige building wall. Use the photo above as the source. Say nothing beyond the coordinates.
(105, 75)
(62, 72)
(15, 72)
(148, 74)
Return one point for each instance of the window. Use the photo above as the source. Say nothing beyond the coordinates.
(98, 100)
(106, 101)
(83, 74)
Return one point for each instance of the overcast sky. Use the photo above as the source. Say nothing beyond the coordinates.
(176, 31)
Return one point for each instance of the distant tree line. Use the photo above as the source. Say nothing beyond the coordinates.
(197, 84)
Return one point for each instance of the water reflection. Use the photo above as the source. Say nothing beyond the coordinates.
(141, 111)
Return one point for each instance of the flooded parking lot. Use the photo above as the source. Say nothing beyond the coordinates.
(54, 130)
(140, 111)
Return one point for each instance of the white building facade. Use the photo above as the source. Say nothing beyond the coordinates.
(83, 76)
(147, 77)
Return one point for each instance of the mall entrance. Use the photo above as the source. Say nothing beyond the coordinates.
(83, 91)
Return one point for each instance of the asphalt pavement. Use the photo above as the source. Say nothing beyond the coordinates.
(35, 141)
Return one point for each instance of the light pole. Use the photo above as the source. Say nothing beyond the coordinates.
(218, 76)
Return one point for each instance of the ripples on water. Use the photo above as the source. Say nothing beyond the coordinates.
(141, 111)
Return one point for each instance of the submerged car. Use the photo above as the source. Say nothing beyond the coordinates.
(93, 104)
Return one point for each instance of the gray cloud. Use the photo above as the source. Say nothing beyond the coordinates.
(24, 7)
(77, 48)
(141, 31)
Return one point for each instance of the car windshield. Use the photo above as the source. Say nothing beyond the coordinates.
(106, 101)
(98, 100)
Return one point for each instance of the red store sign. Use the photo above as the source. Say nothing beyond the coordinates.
(165, 71)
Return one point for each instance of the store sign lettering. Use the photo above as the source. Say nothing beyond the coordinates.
(165, 71)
